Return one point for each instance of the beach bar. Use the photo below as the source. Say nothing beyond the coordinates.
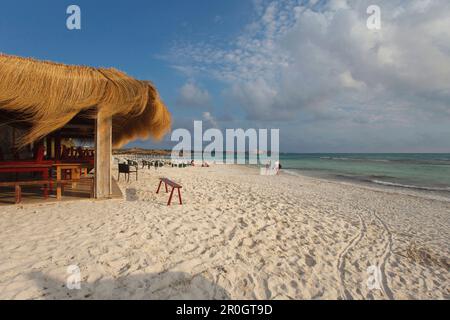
(59, 123)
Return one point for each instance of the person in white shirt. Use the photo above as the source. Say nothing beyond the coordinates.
(277, 166)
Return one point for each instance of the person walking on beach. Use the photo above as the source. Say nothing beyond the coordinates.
(277, 167)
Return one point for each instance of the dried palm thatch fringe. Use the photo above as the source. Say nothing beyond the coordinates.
(48, 95)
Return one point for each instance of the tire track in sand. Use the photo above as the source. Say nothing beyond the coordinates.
(387, 292)
(345, 294)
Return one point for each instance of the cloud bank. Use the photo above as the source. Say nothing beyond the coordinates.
(314, 69)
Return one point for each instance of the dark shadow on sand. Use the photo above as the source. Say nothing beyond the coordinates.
(131, 194)
(165, 285)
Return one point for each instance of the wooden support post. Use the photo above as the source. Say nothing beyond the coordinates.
(18, 194)
(103, 154)
(179, 195)
(159, 186)
(170, 198)
(58, 184)
(52, 148)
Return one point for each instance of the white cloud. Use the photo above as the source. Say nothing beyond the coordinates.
(319, 62)
(190, 95)
(207, 116)
(347, 81)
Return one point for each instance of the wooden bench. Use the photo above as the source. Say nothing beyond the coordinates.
(174, 186)
(48, 184)
(19, 184)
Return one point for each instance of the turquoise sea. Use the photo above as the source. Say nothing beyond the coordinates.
(428, 172)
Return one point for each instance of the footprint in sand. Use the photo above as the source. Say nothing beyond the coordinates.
(310, 262)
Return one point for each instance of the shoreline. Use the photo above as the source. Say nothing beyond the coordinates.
(414, 192)
(427, 192)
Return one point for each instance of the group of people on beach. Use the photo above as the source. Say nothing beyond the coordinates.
(204, 164)
(276, 167)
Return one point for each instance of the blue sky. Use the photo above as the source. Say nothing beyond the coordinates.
(310, 68)
(128, 35)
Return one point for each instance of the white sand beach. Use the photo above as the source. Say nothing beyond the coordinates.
(238, 235)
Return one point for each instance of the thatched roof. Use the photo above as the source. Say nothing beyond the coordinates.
(48, 95)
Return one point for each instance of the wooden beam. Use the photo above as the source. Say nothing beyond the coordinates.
(103, 154)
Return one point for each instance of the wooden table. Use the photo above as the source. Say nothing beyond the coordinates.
(75, 169)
